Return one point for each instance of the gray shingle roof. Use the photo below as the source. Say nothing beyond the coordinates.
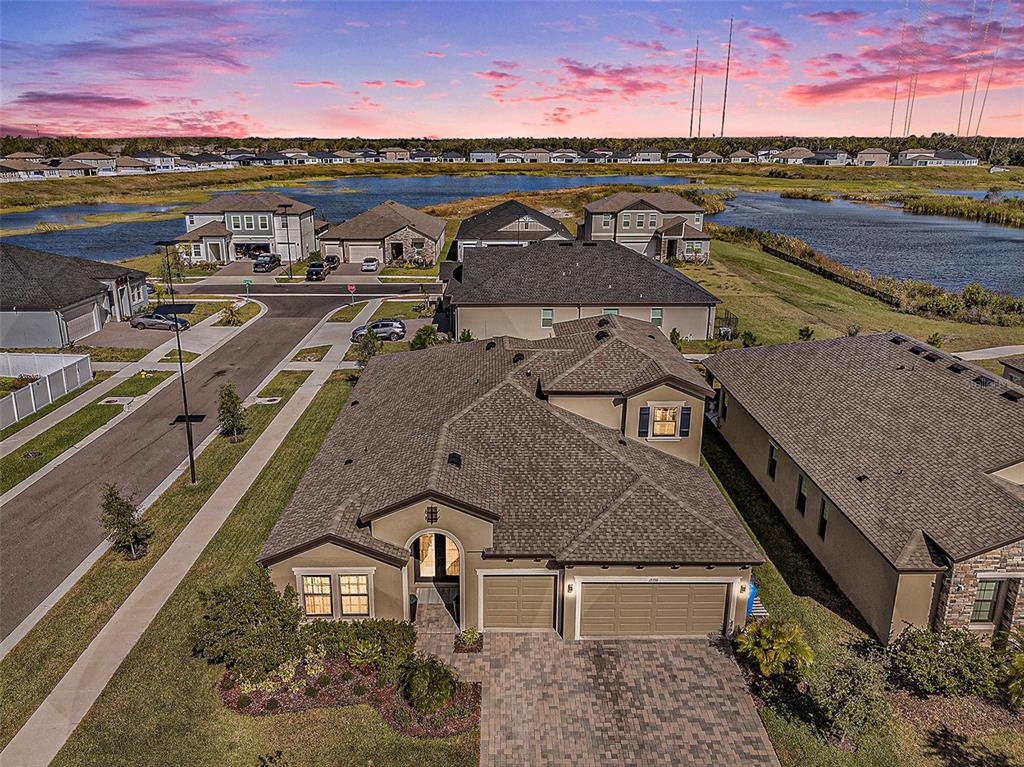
(250, 201)
(1014, 363)
(557, 273)
(209, 229)
(34, 280)
(925, 439)
(554, 484)
(666, 202)
(384, 219)
(488, 224)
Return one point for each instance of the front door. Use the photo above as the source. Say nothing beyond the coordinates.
(437, 565)
(396, 251)
(215, 252)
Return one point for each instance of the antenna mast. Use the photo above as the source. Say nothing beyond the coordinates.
(899, 65)
(700, 109)
(728, 62)
(693, 94)
(967, 67)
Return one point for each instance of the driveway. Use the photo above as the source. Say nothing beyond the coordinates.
(121, 334)
(651, 702)
(243, 268)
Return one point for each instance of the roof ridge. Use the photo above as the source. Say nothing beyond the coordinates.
(599, 519)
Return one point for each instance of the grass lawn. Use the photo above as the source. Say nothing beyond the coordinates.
(96, 353)
(774, 299)
(401, 310)
(9, 384)
(246, 312)
(162, 708)
(36, 664)
(347, 313)
(97, 377)
(793, 585)
(40, 450)
(186, 356)
(390, 347)
(153, 265)
(312, 353)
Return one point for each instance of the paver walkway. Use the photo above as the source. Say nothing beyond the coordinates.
(49, 727)
(650, 702)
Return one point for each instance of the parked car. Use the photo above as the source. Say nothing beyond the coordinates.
(386, 329)
(265, 262)
(316, 271)
(332, 262)
(369, 265)
(154, 321)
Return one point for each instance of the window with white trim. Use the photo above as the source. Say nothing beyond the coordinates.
(547, 318)
(611, 312)
(236, 222)
(627, 219)
(355, 595)
(250, 222)
(656, 317)
(606, 220)
(197, 250)
(652, 220)
(264, 222)
(316, 596)
(665, 421)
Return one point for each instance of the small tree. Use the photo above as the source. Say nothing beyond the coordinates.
(425, 338)
(126, 530)
(369, 346)
(676, 338)
(935, 339)
(230, 413)
(158, 292)
(231, 315)
(465, 336)
(851, 695)
(806, 333)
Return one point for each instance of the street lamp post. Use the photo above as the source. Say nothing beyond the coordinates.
(181, 365)
(287, 234)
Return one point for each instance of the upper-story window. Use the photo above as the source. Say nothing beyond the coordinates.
(606, 220)
(627, 220)
(697, 218)
(236, 222)
(265, 222)
(656, 316)
(547, 318)
(652, 220)
(665, 420)
(191, 220)
(610, 311)
(249, 222)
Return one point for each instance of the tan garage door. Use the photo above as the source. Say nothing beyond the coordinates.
(519, 601)
(652, 609)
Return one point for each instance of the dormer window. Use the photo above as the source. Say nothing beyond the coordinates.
(664, 420)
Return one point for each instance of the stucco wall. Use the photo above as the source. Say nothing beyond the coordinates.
(601, 409)
(28, 329)
(684, 448)
(525, 321)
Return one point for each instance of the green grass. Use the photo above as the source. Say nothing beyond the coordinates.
(40, 450)
(312, 353)
(774, 299)
(186, 356)
(153, 265)
(794, 586)
(389, 347)
(246, 312)
(10, 384)
(14, 428)
(162, 708)
(96, 353)
(401, 310)
(347, 313)
(36, 664)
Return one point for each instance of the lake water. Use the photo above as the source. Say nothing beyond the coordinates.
(946, 251)
(949, 252)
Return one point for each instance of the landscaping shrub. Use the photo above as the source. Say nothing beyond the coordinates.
(469, 636)
(778, 648)
(272, 704)
(311, 692)
(248, 625)
(947, 661)
(850, 695)
(346, 676)
(365, 654)
(369, 346)
(359, 690)
(397, 643)
(428, 683)
(1015, 679)
(324, 679)
(244, 700)
(425, 337)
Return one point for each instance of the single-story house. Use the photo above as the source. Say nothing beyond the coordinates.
(345, 156)
(492, 292)
(899, 466)
(242, 151)
(874, 157)
(231, 226)
(621, 158)
(679, 156)
(828, 157)
(565, 156)
(509, 223)
(647, 155)
(452, 156)
(742, 155)
(950, 157)
(270, 158)
(421, 155)
(71, 168)
(793, 156)
(30, 156)
(662, 225)
(536, 154)
(1013, 369)
(710, 157)
(593, 156)
(510, 156)
(50, 300)
(26, 170)
(585, 513)
(767, 154)
(483, 155)
(388, 232)
(98, 160)
(132, 165)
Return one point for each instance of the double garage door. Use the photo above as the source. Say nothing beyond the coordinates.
(651, 609)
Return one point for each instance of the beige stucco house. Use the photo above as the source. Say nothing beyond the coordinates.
(549, 485)
(661, 225)
(874, 157)
(387, 232)
(526, 291)
(900, 467)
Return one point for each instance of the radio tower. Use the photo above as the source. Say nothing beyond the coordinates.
(728, 62)
(693, 94)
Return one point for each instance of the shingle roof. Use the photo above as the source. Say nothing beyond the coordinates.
(384, 219)
(267, 202)
(489, 224)
(666, 202)
(561, 273)
(896, 439)
(949, 154)
(679, 226)
(34, 280)
(1014, 363)
(131, 162)
(742, 153)
(795, 153)
(90, 156)
(553, 483)
(23, 156)
(209, 229)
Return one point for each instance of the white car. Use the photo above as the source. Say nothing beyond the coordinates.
(369, 265)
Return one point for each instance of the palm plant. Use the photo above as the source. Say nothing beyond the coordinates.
(777, 647)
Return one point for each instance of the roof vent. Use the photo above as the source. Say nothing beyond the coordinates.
(1013, 396)
(518, 357)
(956, 367)
(984, 381)
(354, 403)
(622, 442)
(651, 336)
(601, 335)
(861, 477)
(916, 349)
(490, 345)
(348, 461)
(455, 459)
(932, 356)
(602, 323)
(898, 340)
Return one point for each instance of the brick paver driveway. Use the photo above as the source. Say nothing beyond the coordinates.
(653, 702)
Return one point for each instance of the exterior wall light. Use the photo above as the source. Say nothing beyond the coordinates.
(568, 588)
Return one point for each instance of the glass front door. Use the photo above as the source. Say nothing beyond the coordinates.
(436, 558)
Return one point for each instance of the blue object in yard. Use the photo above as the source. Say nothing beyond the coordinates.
(751, 598)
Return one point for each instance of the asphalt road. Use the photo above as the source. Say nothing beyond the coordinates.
(47, 530)
(313, 288)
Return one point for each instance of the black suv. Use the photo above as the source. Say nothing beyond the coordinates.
(316, 271)
(266, 262)
(332, 262)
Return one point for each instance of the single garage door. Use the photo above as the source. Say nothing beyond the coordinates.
(84, 324)
(357, 253)
(652, 609)
(519, 601)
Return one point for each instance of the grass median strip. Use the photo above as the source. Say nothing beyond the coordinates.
(186, 356)
(388, 347)
(243, 314)
(401, 310)
(97, 377)
(347, 313)
(162, 707)
(312, 354)
(40, 450)
(36, 664)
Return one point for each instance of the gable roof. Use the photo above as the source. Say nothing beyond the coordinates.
(562, 273)
(209, 229)
(795, 153)
(1014, 363)
(489, 224)
(90, 156)
(263, 202)
(34, 280)
(384, 219)
(666, 202)
(553, 483)
(910, 445)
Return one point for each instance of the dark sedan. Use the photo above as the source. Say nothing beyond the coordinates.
(316, 271)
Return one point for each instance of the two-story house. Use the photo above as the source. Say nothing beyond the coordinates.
(549, 485)
(98, 160)
(509, 223)
(158, 160)
(242, 225)
(394, 154)
(647, 155)
(483, 155)
(662, 225)
(873, 157)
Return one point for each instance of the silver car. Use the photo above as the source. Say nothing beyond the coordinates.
(153, 321)
(369, 265)
(390, 330)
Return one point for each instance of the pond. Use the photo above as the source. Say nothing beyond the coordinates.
(949, 252)
(70, 215)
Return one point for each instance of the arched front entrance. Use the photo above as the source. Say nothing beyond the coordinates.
(435, 571)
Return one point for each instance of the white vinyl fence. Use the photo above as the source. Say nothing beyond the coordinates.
(56, 375)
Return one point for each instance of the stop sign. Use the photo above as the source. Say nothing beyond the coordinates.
(351, 288)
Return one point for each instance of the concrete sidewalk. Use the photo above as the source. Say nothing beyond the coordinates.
(993, 352)
(49, 727)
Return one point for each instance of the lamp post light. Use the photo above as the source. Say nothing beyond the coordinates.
(283, 209)
(181, 365)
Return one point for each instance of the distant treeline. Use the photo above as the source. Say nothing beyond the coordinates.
(996, 150)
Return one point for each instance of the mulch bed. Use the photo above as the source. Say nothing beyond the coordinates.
(460, 647)
(460, 715)
(968, 717)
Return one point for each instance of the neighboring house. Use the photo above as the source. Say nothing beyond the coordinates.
(325, 158)
(621, 158)
(48, 300)
(388, 232)
(875, 157)
(593, 156)
(742, 155)
(367, 155)
(510, 156)
(97, 160)
(509, 223)
(234, 154)
(344, 155)
(26, 170)
(71, 168)
(30, 156)
(205, 160)
(530, 486)
(536, 154)
(159, 160)
(394, 154)
(679, 156)
(565, 156)
(647, 155)
(270, 158)
(494, 293)
(828, 157)
(793, 156)
(899, 466)
(420, 155)
(1013, 369)
(232, 226)
(767, 154)
(131, 165)
(662, 225)
(452, 156)
(917, 157)
(951, 158)
(483, 155)
(710, 157)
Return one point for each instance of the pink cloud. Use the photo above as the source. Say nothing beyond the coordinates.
(494, 74)
(373, 83)
(768, 38)
(408, 83)
(315, 84)
(357, 24)
(435, 54)
(871, 32)
(653, 46)
(833, 18)
(43, 99)
(365, 104)
(505, 64)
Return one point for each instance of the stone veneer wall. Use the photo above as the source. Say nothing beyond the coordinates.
(406, 237)
(955, 606)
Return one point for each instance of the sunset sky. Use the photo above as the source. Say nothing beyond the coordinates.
(389, 69)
